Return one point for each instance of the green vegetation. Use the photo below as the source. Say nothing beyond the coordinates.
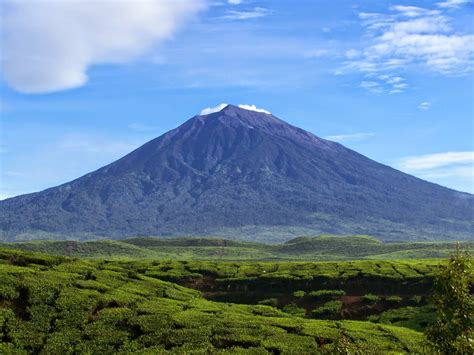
(371, 298)
(324, 247)
(299, 294)
(394, 299)
(329, 308)
(61, 305)
(417, 318)
(323, 294)
(452, 332)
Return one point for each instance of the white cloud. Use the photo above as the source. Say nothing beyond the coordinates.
(210, 110)
(454, 169)
(140, 127)
(49, 45)
(453, 3)
(431, 161)
(5, 194)
(85, 144)
(256, 12)
(355, 137)
(372, 86)
(14, 173)
(316, 53)
(352, 53)
(254, 108)
(410, 36)
(424, 105)
(235, 2)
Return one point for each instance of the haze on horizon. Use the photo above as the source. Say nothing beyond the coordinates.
(82, 85)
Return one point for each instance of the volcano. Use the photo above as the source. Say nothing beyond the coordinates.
(241, 174)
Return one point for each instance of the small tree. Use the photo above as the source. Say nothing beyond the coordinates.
(452, 331)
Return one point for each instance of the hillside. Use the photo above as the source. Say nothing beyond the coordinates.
(241, 174)
(59, 305)
(324, 247)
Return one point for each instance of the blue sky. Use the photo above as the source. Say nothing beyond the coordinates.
(82, 85)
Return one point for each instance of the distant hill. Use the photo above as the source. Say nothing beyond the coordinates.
(241, 174)
(325, 247)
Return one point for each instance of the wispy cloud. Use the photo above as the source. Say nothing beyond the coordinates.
(14, 173)
(140, 127)
(454, 4)
(316, 53)
(424, 105)
(254, 108)
(354, 137)
(256, 12)
(409, 36)
(94, 145)
(209, 110)
(448, 168)
(49, 45)
(437, 160)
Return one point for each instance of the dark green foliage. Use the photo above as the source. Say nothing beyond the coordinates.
(416, 299)
(393, 299)
(371, 298)
(293, 309)
(452, 332)
(417, 318)
(299, 294)
(324, 294)
(269, 302)
(330, 308)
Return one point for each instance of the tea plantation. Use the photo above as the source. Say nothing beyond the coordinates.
(325, 247)
(62, 305)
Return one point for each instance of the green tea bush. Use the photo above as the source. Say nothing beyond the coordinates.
(294, 310)
(416, 299)
(393, 299)
(299, 294)
(371, 298)
(328, 309)
(324, 294)
(269, 302)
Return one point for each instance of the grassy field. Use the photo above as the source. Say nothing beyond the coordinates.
(304, 248)
(60, 305)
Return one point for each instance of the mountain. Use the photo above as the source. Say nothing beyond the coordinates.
(242, 174)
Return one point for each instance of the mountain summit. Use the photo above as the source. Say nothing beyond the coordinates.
(241, 173)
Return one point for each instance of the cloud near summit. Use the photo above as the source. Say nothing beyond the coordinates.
(209, 110)
(49, 45)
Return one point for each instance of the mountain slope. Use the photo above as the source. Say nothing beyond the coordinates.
(240, 172)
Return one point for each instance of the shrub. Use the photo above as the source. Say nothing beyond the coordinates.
(393, 299)
(299, 294)
(329, 308)
(416, 299)
(293, 309)
(452, 331)
(326, 293)
(269, 302)
(371, 298)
